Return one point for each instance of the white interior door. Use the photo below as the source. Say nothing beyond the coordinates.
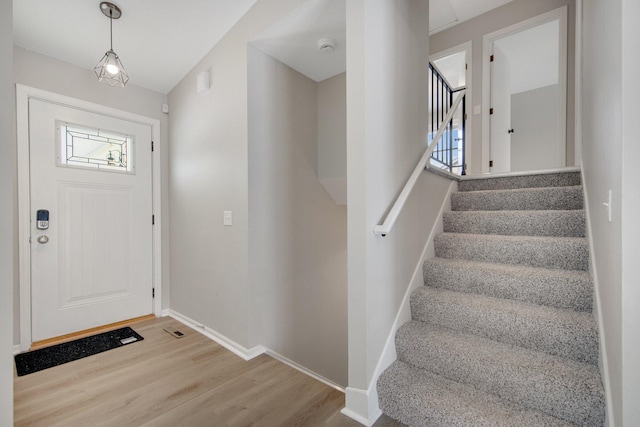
(93, 264)
(501, 117)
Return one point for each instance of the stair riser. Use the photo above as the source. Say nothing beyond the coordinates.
(564, 253)
(564, 179)
(561, 198)
(558, 332)
(553, 288)
(517, 223)
(560, 387)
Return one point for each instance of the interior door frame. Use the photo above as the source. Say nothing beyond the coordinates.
(23, 95)
(468, 138)
(559, 14)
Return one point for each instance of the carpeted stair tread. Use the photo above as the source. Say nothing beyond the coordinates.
(562, 179)
(416, 397)
(560, 332)
(502, 333)
(561, 387)
(551, 287)
(569, 253)
(552, 198)
(559, 223)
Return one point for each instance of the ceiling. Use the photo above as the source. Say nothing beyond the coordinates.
(152, 36)
(158, 41)
(444, 14)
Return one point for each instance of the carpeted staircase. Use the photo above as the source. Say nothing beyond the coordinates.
(502, 333)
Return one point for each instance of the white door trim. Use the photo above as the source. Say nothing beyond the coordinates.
(468, 138)
(487, 40)
(23, 94)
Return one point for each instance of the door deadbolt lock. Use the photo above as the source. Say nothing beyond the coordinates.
(42, 219)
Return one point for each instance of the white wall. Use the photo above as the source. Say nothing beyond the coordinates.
(208, 163)
(332, 136)
(474, 29)
(630, 206)
(7, 212)
(610, 153)
(43, 72)
(297, 233)
(534, 118)
(602, 157)
(387, 49)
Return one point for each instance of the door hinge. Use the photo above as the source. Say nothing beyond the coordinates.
(465, 116)
(152, 146)
(490, 163)
(491, 58)
(490, 110)
(153, 292)
(153, 220)
(466, 66)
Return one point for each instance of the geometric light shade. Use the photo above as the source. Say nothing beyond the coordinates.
(110, 70)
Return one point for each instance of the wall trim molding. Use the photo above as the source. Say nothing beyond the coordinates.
(306, 371)
(603, 360)
(23, 94)
(245, 353)
(560, 14)
(360, 402)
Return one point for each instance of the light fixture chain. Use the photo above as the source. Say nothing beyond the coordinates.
(111, 26)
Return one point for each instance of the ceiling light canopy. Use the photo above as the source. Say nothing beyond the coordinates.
(110, 69)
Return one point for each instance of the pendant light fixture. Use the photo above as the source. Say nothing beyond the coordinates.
(110, 70)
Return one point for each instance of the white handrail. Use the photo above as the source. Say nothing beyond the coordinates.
(384, 228)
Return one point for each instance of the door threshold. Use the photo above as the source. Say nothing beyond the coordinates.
(87, 332)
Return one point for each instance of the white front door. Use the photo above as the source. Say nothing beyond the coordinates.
(93, 264)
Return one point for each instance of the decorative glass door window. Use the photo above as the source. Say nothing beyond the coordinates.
(84, 147)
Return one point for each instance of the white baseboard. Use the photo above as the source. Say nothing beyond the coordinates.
(16, 349)
(304, 370)
(234, 347)
(603, 361)
(243, 352)
(362, 405)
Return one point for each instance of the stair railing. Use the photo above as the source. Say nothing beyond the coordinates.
(449, 154)
(384, 228)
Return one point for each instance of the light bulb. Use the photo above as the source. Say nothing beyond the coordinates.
(112, 69)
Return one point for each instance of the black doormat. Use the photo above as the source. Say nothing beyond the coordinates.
(37, 360)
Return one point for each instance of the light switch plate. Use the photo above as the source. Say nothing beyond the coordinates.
(227, 218)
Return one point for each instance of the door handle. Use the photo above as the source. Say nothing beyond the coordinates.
(43, 239)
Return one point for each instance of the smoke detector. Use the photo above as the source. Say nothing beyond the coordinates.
(326, 45)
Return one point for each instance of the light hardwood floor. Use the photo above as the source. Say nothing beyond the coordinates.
(164, 381)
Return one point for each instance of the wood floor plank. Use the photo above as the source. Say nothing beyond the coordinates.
(164, 381)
